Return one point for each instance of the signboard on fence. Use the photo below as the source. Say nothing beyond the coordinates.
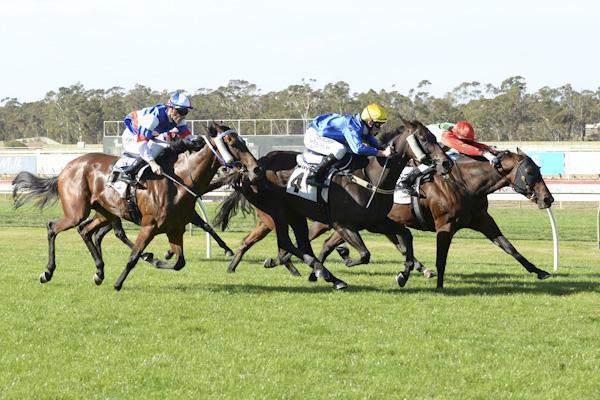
(12, 164)
(550, 162)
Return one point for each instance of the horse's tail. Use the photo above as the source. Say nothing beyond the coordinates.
(229, 208)
(28, 187)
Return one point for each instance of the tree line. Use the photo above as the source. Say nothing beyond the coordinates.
(499, 113)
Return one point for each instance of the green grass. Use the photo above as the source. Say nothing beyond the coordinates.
(495, 331)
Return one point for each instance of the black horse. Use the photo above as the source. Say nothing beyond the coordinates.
(356, 201)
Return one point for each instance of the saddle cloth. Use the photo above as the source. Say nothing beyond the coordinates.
(297, 186)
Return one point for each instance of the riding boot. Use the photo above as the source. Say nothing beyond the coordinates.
(317, 177)
(408, 181)
(129, 173)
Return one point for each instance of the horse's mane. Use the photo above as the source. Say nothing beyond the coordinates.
(386, 137)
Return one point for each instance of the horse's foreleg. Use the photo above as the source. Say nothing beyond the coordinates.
(490, 229)
(304, 250)
(145, 236)
(331, 244)
(398, 241)
(198, 221)
(443, 240)
(283, 258)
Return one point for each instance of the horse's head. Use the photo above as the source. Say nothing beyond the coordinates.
(233, 150)
(525, 177)
(423, 146)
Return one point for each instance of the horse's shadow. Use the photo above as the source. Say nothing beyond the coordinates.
(488, 284)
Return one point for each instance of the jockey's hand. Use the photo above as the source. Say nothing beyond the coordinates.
(491, 158)
(385, 153)
(155, 167)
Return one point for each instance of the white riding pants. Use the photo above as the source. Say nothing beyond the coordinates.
(148, 150)
(322, 145)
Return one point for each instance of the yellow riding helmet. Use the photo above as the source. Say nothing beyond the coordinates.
(374, 112)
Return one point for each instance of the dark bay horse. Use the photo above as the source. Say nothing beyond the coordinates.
(164, 206)
(448, 205)
(461, 202)
(347, 209)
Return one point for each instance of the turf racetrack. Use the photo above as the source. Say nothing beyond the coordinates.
(494, 332)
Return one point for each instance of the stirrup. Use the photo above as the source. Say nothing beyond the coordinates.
(312, 181)
(128, 179)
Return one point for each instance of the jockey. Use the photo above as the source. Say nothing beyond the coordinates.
(332, 135)
(460, 138)
(148, 132)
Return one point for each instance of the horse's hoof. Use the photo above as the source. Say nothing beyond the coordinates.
(118, 287)
(340, 285)
(268, 263)
(427, 273)
(230, 271)
(343, 251)
(312, 277)
(98, 279)
(320, 273)
(543, 275)
(147, 257)
(45, 277)
(400, 279)
(228, 253)
(349, 262)
(168, 255)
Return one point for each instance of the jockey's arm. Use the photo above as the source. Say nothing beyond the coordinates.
(356, 144)
(450, 140)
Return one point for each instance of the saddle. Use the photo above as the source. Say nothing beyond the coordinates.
(126, 191)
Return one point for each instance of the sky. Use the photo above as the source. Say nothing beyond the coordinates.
(391, 45)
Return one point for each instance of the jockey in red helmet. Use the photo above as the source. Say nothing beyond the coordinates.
(461, 137)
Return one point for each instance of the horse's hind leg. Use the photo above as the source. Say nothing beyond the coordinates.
(490, 229)
(54, 228)
(87, 230)
(258, 233)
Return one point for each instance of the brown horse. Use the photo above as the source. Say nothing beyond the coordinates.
(449, 205)
(352, 206)
(164, 207)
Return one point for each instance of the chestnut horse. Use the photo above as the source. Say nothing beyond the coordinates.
(351, 207)
(164, 206)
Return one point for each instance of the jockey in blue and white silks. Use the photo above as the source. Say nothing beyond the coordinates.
(149, 130)
(333, 135)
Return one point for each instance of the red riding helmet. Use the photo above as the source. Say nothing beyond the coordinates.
(464, 130)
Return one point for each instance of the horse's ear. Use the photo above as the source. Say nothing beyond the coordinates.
(521, 152)
(406, 122)
(211, 129)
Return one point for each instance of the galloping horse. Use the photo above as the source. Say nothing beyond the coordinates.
(164, 207)
(349, 196)
(461, 202)
(448, 205)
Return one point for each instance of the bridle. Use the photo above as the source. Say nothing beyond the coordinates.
(223, 154)
(524, 182)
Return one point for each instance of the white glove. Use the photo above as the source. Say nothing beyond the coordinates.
(491, 158)
(155, 167)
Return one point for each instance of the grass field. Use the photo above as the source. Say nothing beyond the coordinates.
(494, 332)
